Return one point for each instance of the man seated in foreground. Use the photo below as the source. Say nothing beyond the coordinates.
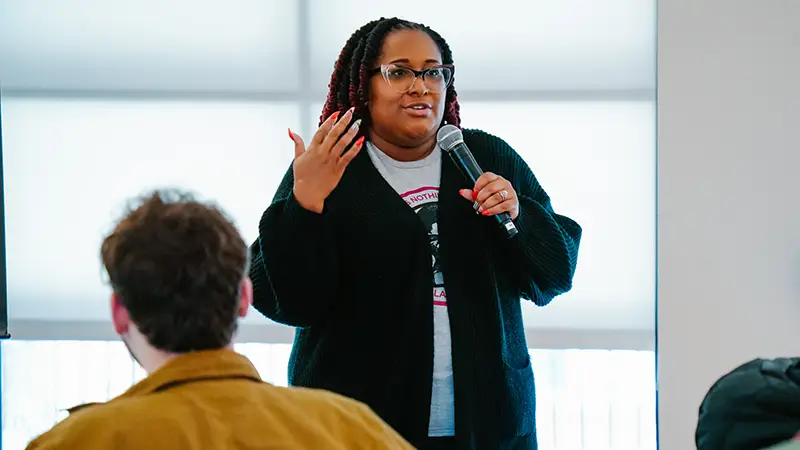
(178, 270)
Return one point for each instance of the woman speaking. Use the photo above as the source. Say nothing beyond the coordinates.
(405, 295)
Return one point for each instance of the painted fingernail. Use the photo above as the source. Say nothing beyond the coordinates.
(485, 213)
(360, 141)
(350, 111)
(291, 136)
(474, 194)
(356, 124)
(335, 115)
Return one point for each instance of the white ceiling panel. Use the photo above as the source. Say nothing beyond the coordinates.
(185, 45)
(513, 44)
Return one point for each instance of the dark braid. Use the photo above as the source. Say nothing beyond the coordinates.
(349, 86)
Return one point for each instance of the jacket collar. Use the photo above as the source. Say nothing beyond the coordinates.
(187, 368)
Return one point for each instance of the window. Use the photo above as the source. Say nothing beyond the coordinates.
(235, 46)
(78, 161)
(586, 399)
(115, 100)
(573, 94)
(596, 161)
(513, 46)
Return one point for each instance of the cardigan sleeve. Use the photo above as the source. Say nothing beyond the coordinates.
(293, 263)
(544, 254)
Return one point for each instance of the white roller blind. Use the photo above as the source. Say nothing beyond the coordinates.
(149, 45)
(596, 160)
(510, 45)
(253, 45)
(70, 165)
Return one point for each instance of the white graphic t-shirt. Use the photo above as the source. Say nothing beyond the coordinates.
(417, 182)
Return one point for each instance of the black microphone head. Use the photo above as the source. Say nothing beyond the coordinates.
(448, 137)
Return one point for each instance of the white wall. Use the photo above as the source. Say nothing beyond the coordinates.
(729, 214)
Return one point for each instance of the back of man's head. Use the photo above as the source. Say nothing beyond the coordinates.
(177, 266)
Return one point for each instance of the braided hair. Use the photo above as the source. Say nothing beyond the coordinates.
(349, 86)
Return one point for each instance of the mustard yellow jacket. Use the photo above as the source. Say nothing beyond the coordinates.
(217, 400)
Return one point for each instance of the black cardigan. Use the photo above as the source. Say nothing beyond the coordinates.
(356, 282)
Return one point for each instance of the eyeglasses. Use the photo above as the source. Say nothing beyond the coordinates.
(437, 79)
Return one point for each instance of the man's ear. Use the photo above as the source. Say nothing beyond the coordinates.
(119, 315)
(245, 296)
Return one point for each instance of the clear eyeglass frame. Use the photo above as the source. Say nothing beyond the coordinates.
(389, 71)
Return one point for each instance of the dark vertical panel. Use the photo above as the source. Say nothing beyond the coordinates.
(2, 418)
(3, 284)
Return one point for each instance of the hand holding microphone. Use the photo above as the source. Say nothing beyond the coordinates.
(492, 195)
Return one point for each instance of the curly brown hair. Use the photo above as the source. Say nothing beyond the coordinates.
(177, 265)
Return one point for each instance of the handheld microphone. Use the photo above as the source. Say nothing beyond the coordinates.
(451, 141)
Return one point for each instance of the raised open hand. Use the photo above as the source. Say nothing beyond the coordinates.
(318, 169)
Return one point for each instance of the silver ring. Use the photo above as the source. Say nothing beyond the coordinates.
(503, 194)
